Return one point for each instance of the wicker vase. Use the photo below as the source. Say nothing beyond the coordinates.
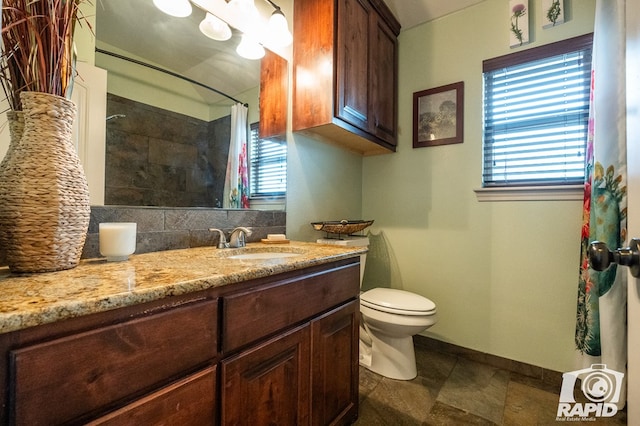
(44, 197)
(16, 126)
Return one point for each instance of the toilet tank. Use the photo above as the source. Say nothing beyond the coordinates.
(350, 241)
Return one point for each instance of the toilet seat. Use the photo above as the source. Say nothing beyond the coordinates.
(397, 302)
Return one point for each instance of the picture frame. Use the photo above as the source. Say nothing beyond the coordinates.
(552, 13)
(438, 115)
(518, 23)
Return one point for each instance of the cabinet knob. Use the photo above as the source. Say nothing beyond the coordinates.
(600, 257)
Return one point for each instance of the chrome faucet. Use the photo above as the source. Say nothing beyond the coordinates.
(222, 242)
(237, 237)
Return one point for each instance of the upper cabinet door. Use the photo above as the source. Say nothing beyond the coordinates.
(353, 59)
(384, 83)
(274, 86)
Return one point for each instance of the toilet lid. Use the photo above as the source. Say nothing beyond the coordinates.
(397, 301)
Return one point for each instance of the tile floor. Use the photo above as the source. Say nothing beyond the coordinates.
(453, 388)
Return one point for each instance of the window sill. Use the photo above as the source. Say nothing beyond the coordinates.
(268, 203)
(532, 193)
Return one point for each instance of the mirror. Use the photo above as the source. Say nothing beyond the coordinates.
(167, 139)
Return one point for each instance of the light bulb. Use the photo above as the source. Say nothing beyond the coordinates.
(177, 8)
(215, 28)
(278, 29)
(249, 48)
(243, 10)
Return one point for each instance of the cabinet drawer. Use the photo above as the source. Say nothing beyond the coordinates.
(78, 375)
(256, 313)
(191, 401)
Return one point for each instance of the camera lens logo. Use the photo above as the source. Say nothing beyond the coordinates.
(599, 384)
(598, 387)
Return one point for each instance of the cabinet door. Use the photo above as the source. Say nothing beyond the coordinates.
(269, 383)
(273, 96)
(352, 67)
(384, 83)
(334, 366)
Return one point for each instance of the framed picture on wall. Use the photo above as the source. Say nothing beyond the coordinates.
(438, 115)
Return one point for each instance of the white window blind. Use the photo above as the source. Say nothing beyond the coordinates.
(536, 111)
(268, 166)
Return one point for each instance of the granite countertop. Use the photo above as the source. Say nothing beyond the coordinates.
(95, 285)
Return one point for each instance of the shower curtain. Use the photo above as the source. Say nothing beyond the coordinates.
(236, 187)
(601, 315)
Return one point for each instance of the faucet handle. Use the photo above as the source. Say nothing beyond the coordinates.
(222, 242)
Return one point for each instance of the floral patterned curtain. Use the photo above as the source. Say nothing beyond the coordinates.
(601, 316)
(236, 184)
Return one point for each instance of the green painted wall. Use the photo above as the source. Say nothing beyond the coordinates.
(503, 274)
(323, 183)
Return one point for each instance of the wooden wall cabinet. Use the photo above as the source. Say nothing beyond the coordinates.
(274, 85)
(345, 73)
(276, 350)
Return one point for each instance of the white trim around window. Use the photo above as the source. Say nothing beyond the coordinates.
(531, 193)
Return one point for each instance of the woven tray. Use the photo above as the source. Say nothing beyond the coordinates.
(342, 226)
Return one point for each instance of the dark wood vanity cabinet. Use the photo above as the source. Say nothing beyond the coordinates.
(80, 369)
(345, 73)
(275, 350)
(306, 371)
(306, 376)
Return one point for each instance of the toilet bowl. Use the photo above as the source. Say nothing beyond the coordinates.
(389, 320)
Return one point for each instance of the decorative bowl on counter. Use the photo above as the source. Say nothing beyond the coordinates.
(346, 227)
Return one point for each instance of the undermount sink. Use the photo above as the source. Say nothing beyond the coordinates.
(263, 255)
(260, 252)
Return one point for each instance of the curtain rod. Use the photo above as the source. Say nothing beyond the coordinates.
(171, 73)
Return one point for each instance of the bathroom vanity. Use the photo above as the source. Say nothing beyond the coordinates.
(211, 340)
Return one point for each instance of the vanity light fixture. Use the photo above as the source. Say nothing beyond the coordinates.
(249, 48)
(279, 28)
(243, 10)
(177, 8)
(215, 28)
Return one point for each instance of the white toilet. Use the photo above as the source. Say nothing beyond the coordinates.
(390, 319)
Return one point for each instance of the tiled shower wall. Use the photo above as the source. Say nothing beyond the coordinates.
(156, 157)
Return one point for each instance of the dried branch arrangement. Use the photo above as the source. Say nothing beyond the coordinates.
(37, 55)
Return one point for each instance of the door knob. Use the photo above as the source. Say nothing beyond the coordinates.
(600, 257)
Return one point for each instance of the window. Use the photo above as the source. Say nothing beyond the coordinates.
(536, 111)
(267, 166)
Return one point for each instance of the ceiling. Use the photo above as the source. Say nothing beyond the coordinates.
(177, 45)
(414, 12)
